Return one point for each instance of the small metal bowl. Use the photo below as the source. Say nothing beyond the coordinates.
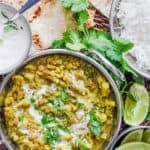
(115, 28)
(28, 38)
(118, 140)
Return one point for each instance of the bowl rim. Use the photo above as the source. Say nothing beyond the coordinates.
(127, 56)
(126, 131)
(85, 58)
(28, 47)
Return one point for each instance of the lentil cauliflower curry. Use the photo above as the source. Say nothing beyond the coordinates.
(59, 102)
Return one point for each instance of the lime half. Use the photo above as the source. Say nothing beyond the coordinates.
(146, 136)
(134, 136)
(136, 105)
(134, 146)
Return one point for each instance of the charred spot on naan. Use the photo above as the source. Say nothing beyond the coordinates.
(37, 41)
(36, 14)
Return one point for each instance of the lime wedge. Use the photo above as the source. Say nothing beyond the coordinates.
(146, 136)
(136, 105)
(134, 146)
(134, 136)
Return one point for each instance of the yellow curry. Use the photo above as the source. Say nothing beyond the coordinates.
(59, 102)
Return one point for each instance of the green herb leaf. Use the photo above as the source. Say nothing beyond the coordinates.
(51, 135)
(65, 129)
(33, 98)
(21, 118)
(46, 119)
(73, 40)
(76, 5)
(82, 18)
(123, 44)
(64, 96)
(80, 105)
(8, 27)
(83, 147)
(95, 124)
(57, 103)
(58, 44)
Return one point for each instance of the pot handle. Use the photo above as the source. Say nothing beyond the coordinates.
(107, 64)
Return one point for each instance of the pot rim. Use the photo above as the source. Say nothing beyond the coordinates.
(27, 50)
(129, 129)
(85, 58)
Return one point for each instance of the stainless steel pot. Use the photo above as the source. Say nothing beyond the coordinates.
(5, 84)
(124, 133)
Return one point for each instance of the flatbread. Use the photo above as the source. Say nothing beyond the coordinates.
(102, 5)
(47, 19)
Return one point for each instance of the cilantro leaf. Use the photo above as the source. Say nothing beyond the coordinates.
(95, 124)
(76, 5)
(47, 119)
(58, 44)
(64, 96)
(73, 40)
(82, 18)
(51, 135)
(10, 26)
(123, 44)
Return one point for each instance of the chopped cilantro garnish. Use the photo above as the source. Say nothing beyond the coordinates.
(57, 103)
(21, 118)
(65, 129)
(33, 98)
(94, 124)
(46, 119)
(10, 26)
(64, 96)
(51, 135)
(80, 105)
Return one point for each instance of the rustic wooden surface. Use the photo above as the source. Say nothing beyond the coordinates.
(101, 22)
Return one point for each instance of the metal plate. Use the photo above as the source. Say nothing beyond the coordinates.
(116, 31)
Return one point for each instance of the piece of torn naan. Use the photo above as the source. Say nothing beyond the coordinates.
(47, 19)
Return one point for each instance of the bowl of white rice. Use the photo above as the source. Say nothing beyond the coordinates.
(130, 19)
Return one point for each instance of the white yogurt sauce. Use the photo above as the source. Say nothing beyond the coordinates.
(13, 44)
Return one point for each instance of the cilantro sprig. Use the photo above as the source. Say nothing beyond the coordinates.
(76, 5)
(82, 38)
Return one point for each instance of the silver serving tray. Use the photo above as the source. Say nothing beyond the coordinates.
(115, 28)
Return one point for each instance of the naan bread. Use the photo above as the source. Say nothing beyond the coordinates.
(102, 5)
(47, 19)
